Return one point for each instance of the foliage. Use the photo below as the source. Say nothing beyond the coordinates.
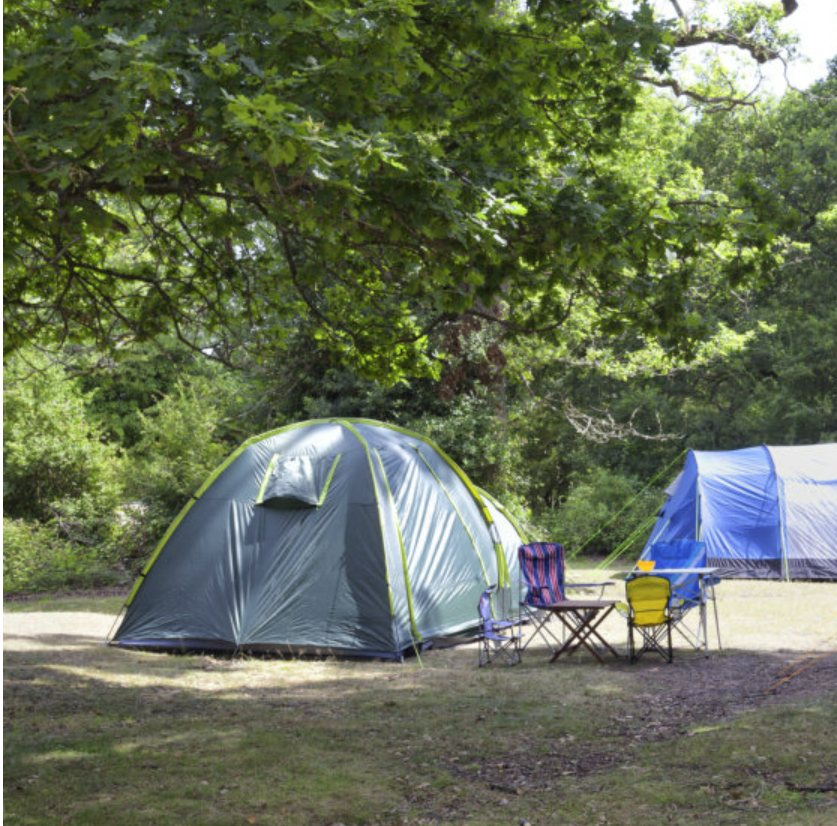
(475, 225)
(178, 448)
(61, 482)
(36, 557)
(120, 387)
(602, 509)
(766, 370)
(366, 172)
(52, 454)
(473, 433)
(781, 389)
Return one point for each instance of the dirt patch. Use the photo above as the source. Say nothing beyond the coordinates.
(680, 698)
(699, 691)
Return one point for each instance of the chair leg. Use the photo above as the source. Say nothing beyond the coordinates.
(653, 640)
(539, 622)
(507, 651)
(717, 624)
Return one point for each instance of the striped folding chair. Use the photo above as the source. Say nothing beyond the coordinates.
(542, 583)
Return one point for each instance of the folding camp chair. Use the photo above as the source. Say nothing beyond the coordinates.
(543, 582)
(691, 587)
(499, 640)
(649, 614)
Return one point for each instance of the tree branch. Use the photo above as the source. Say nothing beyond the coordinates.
(716, 100)
(697, 36)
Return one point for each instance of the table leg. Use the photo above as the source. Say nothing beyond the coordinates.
(577, 624)
(582, 627)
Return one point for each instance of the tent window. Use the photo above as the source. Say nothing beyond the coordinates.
(297, 481)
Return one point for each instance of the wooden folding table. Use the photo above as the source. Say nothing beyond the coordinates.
(581, 618)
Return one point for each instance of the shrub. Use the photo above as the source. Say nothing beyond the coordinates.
(37, 558)
(52, 455)
(60, 482)
(601, 512)
(177, 450)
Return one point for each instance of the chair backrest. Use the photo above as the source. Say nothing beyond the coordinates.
(542, 572)
(648, 597)
(680, 553)
(484, 607)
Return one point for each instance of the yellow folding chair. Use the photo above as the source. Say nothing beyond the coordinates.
(649, 613)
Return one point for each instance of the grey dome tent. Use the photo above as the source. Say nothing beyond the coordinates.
(342, 536)
(763, 512)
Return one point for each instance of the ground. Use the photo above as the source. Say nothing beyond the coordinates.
(744, 736)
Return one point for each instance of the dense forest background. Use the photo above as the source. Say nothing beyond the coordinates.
(577, 421)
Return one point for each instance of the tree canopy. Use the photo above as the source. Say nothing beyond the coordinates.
(365, 172)
(577, 432)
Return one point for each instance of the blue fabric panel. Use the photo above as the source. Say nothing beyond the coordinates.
(739, 507)
(680, 553)
(679, 516)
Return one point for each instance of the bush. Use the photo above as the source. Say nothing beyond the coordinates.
(37, 558)
(52, 455)
(178, 448)
(176, 452)
(601, 513)
(61, 483)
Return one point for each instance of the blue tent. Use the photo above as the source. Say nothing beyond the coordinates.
(763, 512)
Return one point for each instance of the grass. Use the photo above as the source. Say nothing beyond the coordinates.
(95, 735)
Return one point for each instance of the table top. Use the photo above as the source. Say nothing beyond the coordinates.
(577, 604)
(701, 571)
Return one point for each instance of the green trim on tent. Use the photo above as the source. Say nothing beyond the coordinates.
(456, 511)
(410, 607)
(347, 424)
(268, 472)
(502, 562)
(506, 512)
(160, 545)
(330, 476)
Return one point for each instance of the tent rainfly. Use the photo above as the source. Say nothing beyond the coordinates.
(332, 536)
(763, 512)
